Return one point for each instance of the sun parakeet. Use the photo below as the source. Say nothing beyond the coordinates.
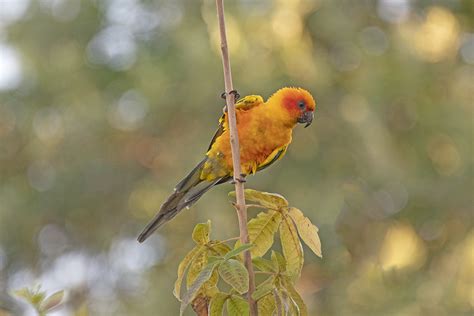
(265, 131)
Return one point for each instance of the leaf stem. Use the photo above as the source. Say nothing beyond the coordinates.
(227, 240)
(278, 302)
(234, 142)
(257, 206)
(265, 272)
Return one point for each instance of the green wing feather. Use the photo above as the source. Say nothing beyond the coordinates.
(248, 102)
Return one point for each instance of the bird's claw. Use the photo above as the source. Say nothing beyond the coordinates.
(234, 92)
(224, 96)
(240, 179)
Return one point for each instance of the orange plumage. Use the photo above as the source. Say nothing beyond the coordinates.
(265, 131)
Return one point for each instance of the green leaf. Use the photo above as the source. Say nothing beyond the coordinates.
(183, 265)
(237, 251)
(209, 286)
(198, 262)
(291, 246)
(295, 297)
(211, 290)
(264, 288)
(307, 231)
(196, 267)
(214, 258)
(52, 301)
(218, 248)
(262, 230)
(235, 274)
(216, 305)
(269, 200)
(202, 278)
(237, 306)
(266, 305)
(201, 233)
(265, 265)
(279, 261)
(212, 282)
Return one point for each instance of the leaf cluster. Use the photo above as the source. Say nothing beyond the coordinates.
(211, 260)
(208, 261)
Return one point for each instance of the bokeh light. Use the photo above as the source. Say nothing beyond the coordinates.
(437, 37)
(394, 11)
(11, 11)
(113, 46)
(11, 68)
(402, 248)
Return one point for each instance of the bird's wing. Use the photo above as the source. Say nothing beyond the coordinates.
(243, 104)
(277, 154)
(248, 102)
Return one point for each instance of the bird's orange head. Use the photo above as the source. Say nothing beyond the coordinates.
(296, 103)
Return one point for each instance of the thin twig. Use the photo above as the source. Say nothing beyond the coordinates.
(234, 142)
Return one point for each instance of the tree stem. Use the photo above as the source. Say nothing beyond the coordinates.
(234, 142)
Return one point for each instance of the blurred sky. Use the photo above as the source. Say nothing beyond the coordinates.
(106, 104)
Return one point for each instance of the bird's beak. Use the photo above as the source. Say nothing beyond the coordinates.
(306, 117)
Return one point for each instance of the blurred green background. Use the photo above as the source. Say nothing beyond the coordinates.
(105, 105)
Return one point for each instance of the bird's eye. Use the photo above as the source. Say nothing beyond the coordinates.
(301, 104)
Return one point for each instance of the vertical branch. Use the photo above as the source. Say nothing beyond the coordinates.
(234, 142)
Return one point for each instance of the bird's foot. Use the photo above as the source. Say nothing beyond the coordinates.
(224, 96)
(240, 179)
(234, 92)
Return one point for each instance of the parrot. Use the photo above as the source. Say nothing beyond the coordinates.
(264, 132)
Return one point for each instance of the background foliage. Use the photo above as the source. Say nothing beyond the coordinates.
(105, 105)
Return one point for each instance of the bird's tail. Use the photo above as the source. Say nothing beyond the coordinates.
(186, 193)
